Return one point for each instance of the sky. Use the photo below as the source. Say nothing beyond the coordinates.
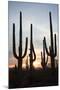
(36, 14)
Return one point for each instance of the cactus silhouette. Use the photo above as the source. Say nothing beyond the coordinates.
(32, 52)
(43, 61)
(52, 50)
(20, 57)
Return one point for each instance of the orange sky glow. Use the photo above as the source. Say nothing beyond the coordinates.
(36, 63)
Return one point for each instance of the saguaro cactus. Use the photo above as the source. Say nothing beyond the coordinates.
(43, 61)
(20, 57)
(52, 50)
(32, 52)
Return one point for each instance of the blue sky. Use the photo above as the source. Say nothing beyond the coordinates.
(38, 15)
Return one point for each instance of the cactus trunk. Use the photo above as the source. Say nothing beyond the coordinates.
(20, 44)
(32, 52)
(43, 61)
(20, 57)
(52, 50)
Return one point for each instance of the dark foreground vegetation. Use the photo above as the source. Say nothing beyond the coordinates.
(34, 78)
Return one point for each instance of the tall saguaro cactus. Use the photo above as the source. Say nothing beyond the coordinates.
(32, 52)
(43, 61)
(52, 48)
(20, 57)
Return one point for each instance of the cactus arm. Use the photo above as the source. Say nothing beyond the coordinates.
(14, 47)
(43, 50)
(33, 52)
(26, 45)
(55, 52)
(46, 60)
(46, 46)
(41, 56)
(42, 63)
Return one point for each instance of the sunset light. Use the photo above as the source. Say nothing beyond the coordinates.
(33, 44)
